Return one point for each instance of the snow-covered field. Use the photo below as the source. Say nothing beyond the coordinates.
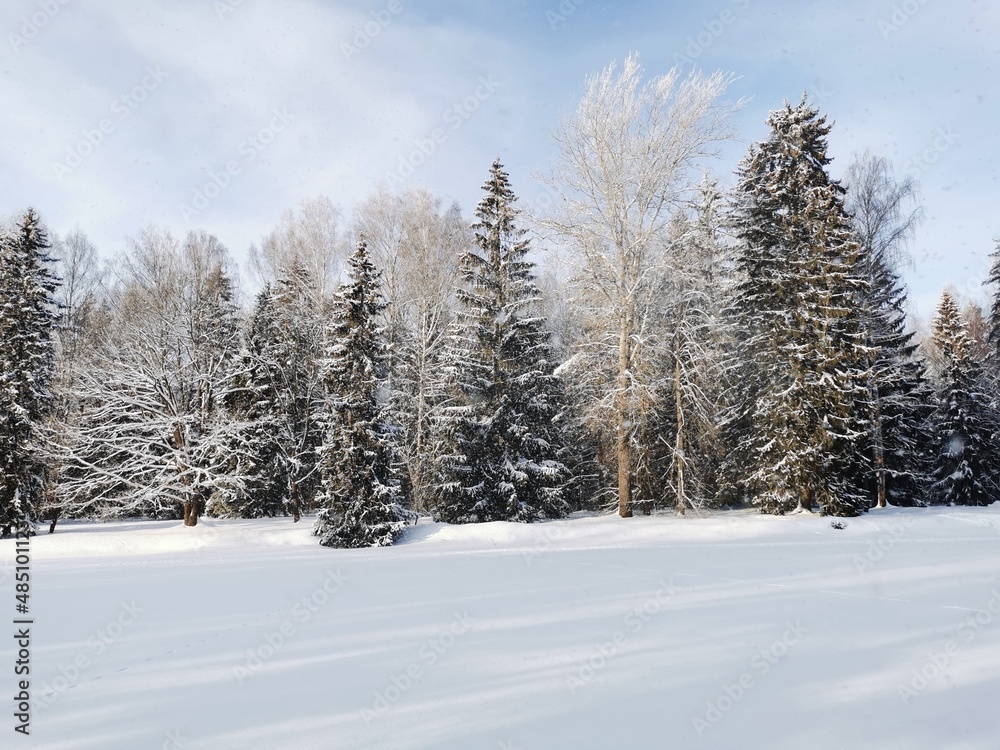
(728, 631)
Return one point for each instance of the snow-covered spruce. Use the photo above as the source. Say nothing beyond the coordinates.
(361, 491)
(802, 278)
(500, 438)
(965, 470)
(257, 473)
(27, 356)
(275, 396)
(901, 400)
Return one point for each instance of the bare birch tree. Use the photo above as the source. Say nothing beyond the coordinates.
(417, 246)
(884, 212)
(626, 161)
(81, 312)
(308, 239)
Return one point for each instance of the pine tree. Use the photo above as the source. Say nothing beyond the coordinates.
(27, 356)
(501, 441)
(801, 281)
(364, 504)
(965, 470)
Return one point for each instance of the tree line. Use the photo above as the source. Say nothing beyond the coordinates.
(693, 347)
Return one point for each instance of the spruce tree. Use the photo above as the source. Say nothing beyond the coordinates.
(801, 281)
(257, 474)
(965, 471)
(501, 443)
(884, 213)
(276, 395)
(27, 356)
(361, 491)
(900, 396)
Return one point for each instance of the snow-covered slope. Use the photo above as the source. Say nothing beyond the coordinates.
(729, 631)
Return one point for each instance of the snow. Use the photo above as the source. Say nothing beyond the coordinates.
(592, 632)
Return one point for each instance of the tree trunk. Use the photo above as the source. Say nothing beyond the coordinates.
(189, 506)
(624, 480)
(294, 502)
(53, 518)
(417, 474)
(679, 444)
(805, 500)
(190, 513)
(878, 447)
(624, 427)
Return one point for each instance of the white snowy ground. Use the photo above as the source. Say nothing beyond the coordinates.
(728, 631)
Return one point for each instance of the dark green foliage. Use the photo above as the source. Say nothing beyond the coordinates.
(798, 308)
(257, 472)
(27, 323)
(277, 394)
(501, 441)
(902, 399)
(884, 213)
(966, 469)
(364, 504)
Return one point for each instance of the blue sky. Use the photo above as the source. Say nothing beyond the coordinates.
(277, 102)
